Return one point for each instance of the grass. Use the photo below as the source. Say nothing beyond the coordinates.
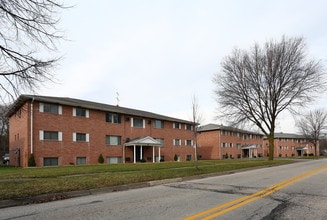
(17, 183)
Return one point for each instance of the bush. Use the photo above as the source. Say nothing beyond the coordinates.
(175, 157)
(31, 161)
(142, 160)
(100, 159)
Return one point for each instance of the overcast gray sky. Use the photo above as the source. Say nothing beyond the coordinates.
(157, 54)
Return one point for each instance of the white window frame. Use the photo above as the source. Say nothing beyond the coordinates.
(189, 144)
(116, 136)
(87, 114)
(41, 108)
(179, 125)
(189, 125)
(87, 137)
(41, 136)
(161, 123)
(132, 123)
(179, 142)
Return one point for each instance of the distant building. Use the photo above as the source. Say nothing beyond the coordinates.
(66, 131)
(220, 142)
(288, 145)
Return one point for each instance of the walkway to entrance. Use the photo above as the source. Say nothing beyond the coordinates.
(138, 145)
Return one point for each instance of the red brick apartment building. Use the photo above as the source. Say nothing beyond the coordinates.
(220, 142)
(289, 145)
(66, 131)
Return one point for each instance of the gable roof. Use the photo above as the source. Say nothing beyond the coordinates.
(144, 141)
(89, 105)
(212, 127)
(288, 135)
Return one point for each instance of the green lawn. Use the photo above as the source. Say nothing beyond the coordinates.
(26, 182)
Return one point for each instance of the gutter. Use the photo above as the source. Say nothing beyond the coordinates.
(31, 125)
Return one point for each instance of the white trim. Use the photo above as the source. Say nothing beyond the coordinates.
(59, 136)
(41, 107)
(132, 124)
(74, 137)
(59, 109)
(74, 111)
(87, 113)
(41, 136)
(87, 137)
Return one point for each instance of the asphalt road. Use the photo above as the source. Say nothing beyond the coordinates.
(295, 191)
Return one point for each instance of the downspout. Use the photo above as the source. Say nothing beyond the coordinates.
(31, 125)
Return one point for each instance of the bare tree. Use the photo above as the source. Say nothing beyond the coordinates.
(196, 119)
(255, 86)
(4, 130)
(312, 125)
(28, 31)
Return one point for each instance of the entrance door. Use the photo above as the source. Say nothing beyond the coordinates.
(245, 153)
(138, 153)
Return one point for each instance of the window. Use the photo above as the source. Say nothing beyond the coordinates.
(188, 142)
(161, 140)
(138, 123)
(238, 146)
(50, 161)
(223, 132)
(188, 127)
(80, 112)
(162, 158)
(81, 137)
(80, 160)
(188, 157)
(113, 140)
(177, 125)
(158, 124)
(223, 144)
(238, 134)
(177, 142)
(111, 160)
(50, 135)
(231, 133)
(230, 145)
(51, 108)
(114, 118)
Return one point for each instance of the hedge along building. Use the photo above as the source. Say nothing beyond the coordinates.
(66, 131)
(220, 142)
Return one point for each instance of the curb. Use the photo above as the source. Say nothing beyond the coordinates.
(73, 194)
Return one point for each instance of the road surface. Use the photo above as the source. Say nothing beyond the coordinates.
(294, 191)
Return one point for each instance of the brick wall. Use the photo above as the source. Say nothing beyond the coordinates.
(96, 126)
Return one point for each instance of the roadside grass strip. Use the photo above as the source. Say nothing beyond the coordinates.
(234, 204)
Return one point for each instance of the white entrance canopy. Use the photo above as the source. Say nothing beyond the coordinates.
(143, 141)
(249, 146)
(252, 148)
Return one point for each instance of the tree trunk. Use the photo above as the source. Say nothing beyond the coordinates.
(271, 146)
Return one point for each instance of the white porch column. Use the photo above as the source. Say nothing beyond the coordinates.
(141, 150)
(159, 154)
(153, 158)
(134, 153)
(124, 154)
